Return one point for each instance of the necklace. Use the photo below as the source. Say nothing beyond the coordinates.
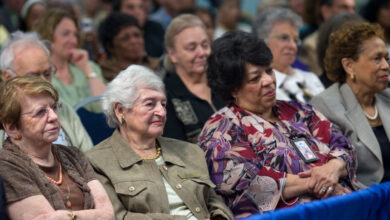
(372, 117)
(59, 179)
(156, 156)
(67, 197)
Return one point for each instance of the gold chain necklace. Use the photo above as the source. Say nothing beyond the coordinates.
(156, 156)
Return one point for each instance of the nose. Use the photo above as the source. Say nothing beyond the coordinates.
(385, 64)
(52, 115)
(267, 80)
(203, 51)
(161, 110)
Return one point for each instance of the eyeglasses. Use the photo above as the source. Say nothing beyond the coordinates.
(47, 74)
(285, 38)
(43, 112)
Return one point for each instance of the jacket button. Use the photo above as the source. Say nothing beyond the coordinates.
(131, 188)
(197, 209)
(179, 186)
(165, 168)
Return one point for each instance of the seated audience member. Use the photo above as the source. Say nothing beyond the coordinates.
(278, 27)
(153, 32)
(190, 101)
(145, 175)
(359, 101)
(377, 11)
(228, 17)
(169, 9)
(207, 18)
(30, 12)
(265, 154)
(326, 29)
(76, 78)
(43, 180)
(122, 39)
(26, 55)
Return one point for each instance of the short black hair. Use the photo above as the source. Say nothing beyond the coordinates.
(112, 25)
(371, 9)
(229, 55)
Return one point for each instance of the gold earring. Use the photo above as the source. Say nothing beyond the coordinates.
(18, 137)
(123, 121)
(353, 77)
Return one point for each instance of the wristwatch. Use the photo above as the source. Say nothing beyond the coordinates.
(91, 75)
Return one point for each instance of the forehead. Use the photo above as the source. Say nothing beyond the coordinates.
(31, 102)
(32, 58)
(145, 94)
(284, 27)
(191, 34)
(374, 45)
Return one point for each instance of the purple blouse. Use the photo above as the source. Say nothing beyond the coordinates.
(248, 157)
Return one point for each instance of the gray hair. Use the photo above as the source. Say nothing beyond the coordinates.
(262, 26)
(124, 89)
(19, 41)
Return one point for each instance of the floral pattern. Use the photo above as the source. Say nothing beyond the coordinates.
(248, 157)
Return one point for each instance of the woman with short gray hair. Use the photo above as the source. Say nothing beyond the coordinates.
(278, 27)
(145, 175)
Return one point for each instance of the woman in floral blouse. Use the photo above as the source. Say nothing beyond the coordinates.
(262, 153)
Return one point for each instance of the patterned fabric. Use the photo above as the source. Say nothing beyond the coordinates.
(248, 157)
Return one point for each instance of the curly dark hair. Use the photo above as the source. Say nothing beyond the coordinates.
(346, 42)
(111, 26)
(226, 64)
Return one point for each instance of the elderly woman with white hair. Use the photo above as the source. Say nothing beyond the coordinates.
(145, 175)
(278, 27)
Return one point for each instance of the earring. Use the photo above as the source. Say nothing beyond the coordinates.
(18, 137)
(353, 77)
(123, 121)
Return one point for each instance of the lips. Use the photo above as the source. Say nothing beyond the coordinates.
(270, 93)
(384, 78)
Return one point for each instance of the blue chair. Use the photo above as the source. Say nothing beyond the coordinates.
(94, 123)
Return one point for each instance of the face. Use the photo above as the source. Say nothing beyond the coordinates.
(128, 44)
(65, 38)
(229, 13)
(383, 16)
(371, 68)
(135, 8)
(298, 6)
(338, 7)
(258, 92)
(208, 23)
(37, 64)
(148, 115)
(34, 13)
(190, 52)
(283, 41)
(38, 121)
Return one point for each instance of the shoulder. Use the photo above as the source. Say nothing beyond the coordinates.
(385, 94)
(180, 146)
(104, 146)
(72, 153)
(330, 96)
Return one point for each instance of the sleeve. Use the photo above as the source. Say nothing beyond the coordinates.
(174, 128)
(18, 182)
(79, 137)
(340, 147)
(217, 207)
(238, 173)
(120, 211)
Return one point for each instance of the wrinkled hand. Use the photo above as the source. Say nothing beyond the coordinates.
(322, 177)
(80, 58)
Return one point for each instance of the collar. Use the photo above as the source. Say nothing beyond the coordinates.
(173, 81)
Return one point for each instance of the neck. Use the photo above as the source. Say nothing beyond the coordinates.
(192, 79)
(365, 98)
(59, 62)
(40, 153)
(130, 61)
(283, 69)
(140, 144)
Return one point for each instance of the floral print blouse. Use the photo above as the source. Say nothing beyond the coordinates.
(248, 157)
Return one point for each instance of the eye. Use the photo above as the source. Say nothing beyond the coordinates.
(284, 37)
(40, 113)
(269, 71)
(254, 79)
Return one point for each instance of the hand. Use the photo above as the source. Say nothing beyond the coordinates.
(80, 58)
(324, 177)
(338, 190)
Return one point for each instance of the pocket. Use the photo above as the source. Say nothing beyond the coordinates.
(131, 188)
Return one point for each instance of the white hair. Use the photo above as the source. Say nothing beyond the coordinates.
(19, 41)
(124, 89)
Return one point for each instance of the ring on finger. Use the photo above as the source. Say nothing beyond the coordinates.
(323, 189)
(330, 188)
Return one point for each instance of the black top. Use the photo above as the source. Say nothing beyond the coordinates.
(385, 149)
(186, 113)
(154, 38)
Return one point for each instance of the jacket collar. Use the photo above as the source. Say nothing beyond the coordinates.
(127, 156)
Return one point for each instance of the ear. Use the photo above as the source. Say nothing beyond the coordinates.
(119, 110)
(11, 130)
(348, 65)
(7, 75)
(172, 55)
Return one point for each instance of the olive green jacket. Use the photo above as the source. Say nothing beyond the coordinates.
(71, 125)
(136, 187)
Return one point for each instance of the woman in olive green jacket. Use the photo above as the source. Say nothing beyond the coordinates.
(147, 176)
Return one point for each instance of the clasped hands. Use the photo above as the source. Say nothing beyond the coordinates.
(322, 181)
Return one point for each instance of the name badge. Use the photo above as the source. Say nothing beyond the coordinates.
(304, 150)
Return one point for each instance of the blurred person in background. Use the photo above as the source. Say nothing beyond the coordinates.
(169, 9)
(153, 32)
(190, 101)
(26, 55)
(30, 12)
(9, 14)
(122, 39)
(278, 27)
(77, 77)
(208, 20)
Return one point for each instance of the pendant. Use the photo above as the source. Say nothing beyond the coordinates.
(68, 203)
